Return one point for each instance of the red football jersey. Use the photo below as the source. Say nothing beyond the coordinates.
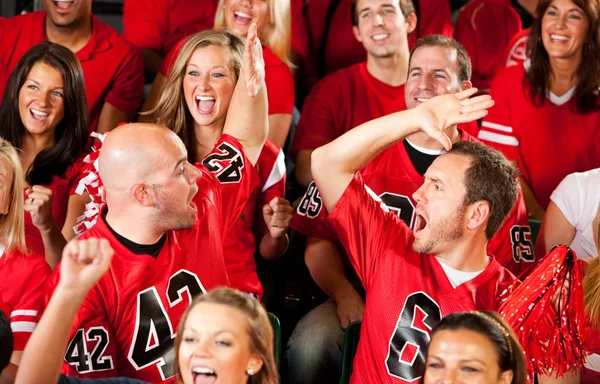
(278, 79)
(239, 245)
(62, 189)
(394, 179)
(113, 68)
(485, 28)
(22, 279)
(549, 142)
(407, 293)
(126, 325)
(342, 50)
(516, 50)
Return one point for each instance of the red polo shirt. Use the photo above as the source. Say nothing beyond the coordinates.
(113, 68)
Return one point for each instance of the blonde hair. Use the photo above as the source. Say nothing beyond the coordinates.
(259, 330)
(171, 109)
(277, 35)
(12, 225)
(591, 281)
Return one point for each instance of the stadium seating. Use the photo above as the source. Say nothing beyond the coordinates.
(351, 337)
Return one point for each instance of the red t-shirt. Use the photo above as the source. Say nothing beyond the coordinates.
(126, 324)
(62, 188)
(485, 28)
(549, 142)
(516, 50)
(112, 67)
(22, 279)
(406, 293)
(342, 48)
(394, 179)
(239, 245)
(278, 79)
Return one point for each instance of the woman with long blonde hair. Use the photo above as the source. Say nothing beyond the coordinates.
(273, 21)
(22, 274)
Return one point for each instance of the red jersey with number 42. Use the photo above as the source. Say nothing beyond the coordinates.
(126, 325)
(407, 293)
(394, 179)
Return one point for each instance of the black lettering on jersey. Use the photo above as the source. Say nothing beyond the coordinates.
(401, 205)
(522, 247)
(78, 356)
(154, 336)
(227, 165)
(406, 352)
(311, 203)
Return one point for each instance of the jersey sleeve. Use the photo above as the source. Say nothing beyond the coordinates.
(27, 311)
(235, 176)
(497, 130)
(568, 198)
(127, 86)
(167, 64)
(145, 23)
(310, 218)
(271, 173)
(280, 87)
(367, 229)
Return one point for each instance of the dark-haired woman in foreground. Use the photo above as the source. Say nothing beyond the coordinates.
(44, 115)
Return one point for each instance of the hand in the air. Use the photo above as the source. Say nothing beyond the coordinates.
(38, 203)
(278, 215)
(253, 64)
(444, 111)
(83, 263)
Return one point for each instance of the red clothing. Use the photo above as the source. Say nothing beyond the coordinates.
(392, 176)
(278, 79)
(112, 67)
(239, 245)
(406, 293)
(345, 100)
(516, 50)
(342, 48)
(133, 311)
(549, 142)
(22, 279)
(485, 27)
(62, 188)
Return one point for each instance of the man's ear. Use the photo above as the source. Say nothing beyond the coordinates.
(143, 195)
(466, 85)
(356, 33)
(411, 23)
(477, 214)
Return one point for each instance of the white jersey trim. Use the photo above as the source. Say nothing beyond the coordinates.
(23, 312)
(593, 362)
(22, 326)
(498, 127)
(277, 173)
(2, 248)
(498, 138)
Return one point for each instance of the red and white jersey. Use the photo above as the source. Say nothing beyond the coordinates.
(407, 293)
(516, 50)
(549, 142)
(22, 279)
(126, 325)
(239, 245)
(392, 176)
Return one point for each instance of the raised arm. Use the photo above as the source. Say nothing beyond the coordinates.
(334, 165)
(247, 117)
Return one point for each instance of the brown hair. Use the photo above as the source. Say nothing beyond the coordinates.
(490, 178)
(463, 60)
(406, 6)
(591, 281)
(537, 79)
(171, 109)
(259, 329)
(12, 225)
(500, 335)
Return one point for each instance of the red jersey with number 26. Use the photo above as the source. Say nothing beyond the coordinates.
(126, 325)
(407, 293)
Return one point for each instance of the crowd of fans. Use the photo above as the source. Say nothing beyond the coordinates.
(134, 220)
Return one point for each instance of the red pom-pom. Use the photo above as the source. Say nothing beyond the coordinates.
(546, 311)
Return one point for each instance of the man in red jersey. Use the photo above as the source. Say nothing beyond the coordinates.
(165, 218)
(413, 279)
(438, 65)
(111, 65)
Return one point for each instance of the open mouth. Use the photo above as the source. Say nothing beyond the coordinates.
(38, 115)
(205, 104)
(558, 38)
(420, 223)
(242, 18)
(63, 4)
(203, 375)
(380, 36)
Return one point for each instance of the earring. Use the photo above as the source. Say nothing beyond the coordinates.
(250, 371)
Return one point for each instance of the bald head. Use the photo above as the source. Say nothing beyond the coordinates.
(133, 153)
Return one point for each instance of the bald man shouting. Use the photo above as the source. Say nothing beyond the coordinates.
(165, 219)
